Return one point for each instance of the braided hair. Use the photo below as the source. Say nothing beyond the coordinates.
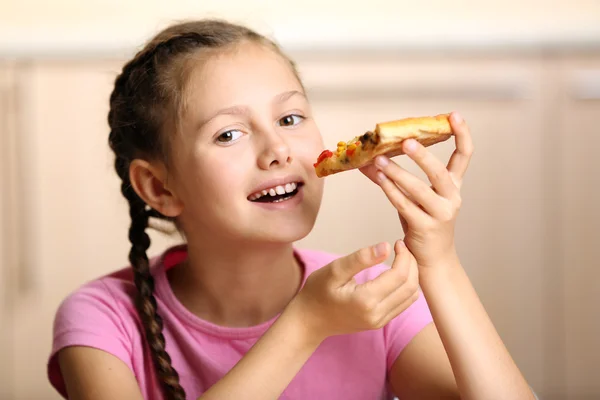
(145, 104)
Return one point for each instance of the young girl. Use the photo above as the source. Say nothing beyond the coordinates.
(211, 129)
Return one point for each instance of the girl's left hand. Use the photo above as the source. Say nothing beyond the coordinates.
(427, 213)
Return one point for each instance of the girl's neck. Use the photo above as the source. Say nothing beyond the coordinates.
(237, 286)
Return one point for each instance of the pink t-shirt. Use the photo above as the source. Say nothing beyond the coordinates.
(101, 314)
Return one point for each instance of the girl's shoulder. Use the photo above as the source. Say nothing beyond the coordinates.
(101, 314)
(111, 295)
(98, 314)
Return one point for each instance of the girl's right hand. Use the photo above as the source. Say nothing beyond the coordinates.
(332, 303)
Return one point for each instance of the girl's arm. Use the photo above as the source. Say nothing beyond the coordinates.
(479, 361)
(482, 365)
(460, 356)
(330, 303)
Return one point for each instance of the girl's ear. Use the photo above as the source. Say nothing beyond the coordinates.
(149, 182)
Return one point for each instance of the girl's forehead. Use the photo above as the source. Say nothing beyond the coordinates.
(249, 77)
(250, 71)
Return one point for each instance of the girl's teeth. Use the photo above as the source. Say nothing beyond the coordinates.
(278, 190)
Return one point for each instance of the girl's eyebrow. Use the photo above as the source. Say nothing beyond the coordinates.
(280, 98)
(243, 110)
(233, 110)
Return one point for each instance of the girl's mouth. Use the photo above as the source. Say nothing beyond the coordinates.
(276, 194)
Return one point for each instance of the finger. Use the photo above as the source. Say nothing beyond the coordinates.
(408, 301)
(391, 175)
(403, 258)
(346, 267)
(403, 296)
(369, 171)
(461, 157)
(388, 281)
(435, 170)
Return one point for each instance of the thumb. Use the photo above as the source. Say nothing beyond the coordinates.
(350, 265)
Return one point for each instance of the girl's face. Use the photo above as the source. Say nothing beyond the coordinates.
(244, 163)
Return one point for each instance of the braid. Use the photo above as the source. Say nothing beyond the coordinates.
(122, 141)
(145, 300)
(144, 105)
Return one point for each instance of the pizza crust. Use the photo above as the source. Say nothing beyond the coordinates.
(386, 139)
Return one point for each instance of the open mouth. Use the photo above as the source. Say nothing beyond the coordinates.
(276, 194)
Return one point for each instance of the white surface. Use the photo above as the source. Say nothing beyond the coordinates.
(36, 27)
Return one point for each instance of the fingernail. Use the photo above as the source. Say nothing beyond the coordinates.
(457, 118)
(379, 249)
(381, 161)
(410, 145)
(399, 246)
(381, 176)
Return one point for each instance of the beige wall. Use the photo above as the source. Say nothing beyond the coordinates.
(74, 11)
(30, 25)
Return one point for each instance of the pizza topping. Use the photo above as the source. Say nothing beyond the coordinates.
(324, 155)
(345, 150)
(369, 139)
(341, 147)
(352, 148)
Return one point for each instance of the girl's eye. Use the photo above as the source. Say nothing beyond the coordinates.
(290, 120)
(229, 136)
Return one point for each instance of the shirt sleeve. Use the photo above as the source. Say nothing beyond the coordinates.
(402, 329)
(89, 317)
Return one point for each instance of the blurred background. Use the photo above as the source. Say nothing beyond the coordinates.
(525, 74)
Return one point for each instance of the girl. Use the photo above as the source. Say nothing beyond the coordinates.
(211, 129)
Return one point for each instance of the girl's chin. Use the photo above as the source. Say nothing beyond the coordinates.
(282, 233)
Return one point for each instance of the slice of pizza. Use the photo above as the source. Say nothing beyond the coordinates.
(386, 139)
